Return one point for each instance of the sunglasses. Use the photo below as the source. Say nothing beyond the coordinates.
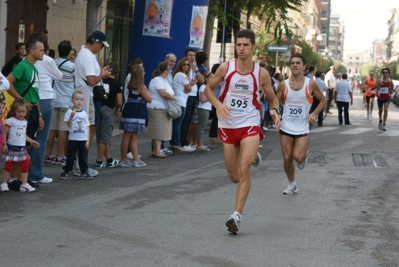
(186, 64)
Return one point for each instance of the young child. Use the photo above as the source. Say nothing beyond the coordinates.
(133, 116)
(14, 146)
(204, 108)
(78, 139)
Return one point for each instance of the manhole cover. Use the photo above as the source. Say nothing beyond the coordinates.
(316, 157)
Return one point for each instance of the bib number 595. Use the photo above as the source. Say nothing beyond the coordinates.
(239, 103)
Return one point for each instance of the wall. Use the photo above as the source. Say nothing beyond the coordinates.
(3, 24)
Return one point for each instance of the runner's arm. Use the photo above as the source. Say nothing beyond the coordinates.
(222, 110)
(316, 92)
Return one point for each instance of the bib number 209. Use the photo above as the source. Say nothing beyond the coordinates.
(295, 111)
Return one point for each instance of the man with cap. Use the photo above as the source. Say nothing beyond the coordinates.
(330, 82)
(89, 74)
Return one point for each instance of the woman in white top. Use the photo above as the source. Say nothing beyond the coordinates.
(159, 123)
(204, 108)
(181, 87)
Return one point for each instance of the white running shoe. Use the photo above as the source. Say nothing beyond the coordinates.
(26, 188)
(380, 126)
(291, 189)
(4, 187)
(234, 222)
(301, 165)
(383, 128)
(129, 155)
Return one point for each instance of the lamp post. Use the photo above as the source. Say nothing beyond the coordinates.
(311, 37)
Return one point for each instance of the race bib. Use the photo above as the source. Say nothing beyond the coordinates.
(383, 90)
(294, 110)
(370, 90)
(239, 102)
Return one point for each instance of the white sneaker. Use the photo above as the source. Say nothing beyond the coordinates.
(45, 180)
(301, 165)
(383, 128)
(371, 115)
(139, 164)
(4, 187)
(368, 115)
(26, 188)
(380, 126)
(265, 129)
(193, 146)
(291, 189)
(188, 149)
(234, 222)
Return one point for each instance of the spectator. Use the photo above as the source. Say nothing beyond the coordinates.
(159, 122)
(109, 108)
(134, 116)
(10, 65)
(15, 146)
(63, 91)
(204, 108)
(48, 72)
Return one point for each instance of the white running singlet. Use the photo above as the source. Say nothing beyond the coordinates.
(241, 93)
(297, 105)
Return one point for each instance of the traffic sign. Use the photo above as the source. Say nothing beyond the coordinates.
(277, 48)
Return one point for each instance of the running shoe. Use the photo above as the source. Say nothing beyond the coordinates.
(383, 128)
(126, 164)
(92, 172)
(301, 165)
(265, 129)
(86, 176)
(4, 187)
(64, 176)
(380, 126)
(26, 188)
(371, 115)
(139, 164)
(48, 159)
(257, 160)
(234, 222)
(166, 151)
(114, 163)
(129, 155)
(291, 189)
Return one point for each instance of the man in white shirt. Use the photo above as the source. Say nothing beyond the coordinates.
(48, 71)
(342, 95)
(88, 74)
(330, 82)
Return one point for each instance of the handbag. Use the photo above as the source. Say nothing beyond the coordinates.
(99, 93)
(173, 109)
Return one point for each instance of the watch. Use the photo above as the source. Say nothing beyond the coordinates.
(40, 114)
(277, 111)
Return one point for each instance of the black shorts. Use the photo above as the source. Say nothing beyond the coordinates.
(293, 135)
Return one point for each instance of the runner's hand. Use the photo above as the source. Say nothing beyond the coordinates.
(223, 112)
(311, 119)
(276, 118)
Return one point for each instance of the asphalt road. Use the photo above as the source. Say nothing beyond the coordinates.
(172, 212)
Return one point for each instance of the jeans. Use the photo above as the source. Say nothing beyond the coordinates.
(330, 98)
(176, 124)
(80, 147)
(186, 121)
(316, 102)
(345, 106)
(37, 154)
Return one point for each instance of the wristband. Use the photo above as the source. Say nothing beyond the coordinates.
(40, 114)
(277, 111)
(196, 71)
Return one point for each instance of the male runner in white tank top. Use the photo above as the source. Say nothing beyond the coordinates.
(239, 119)
(297, 92)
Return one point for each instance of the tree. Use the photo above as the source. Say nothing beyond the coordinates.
(274, 14)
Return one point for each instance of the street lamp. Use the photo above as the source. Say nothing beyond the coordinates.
(311, 36)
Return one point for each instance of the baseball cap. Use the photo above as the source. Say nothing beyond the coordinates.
(100, 37)
(332, 67)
